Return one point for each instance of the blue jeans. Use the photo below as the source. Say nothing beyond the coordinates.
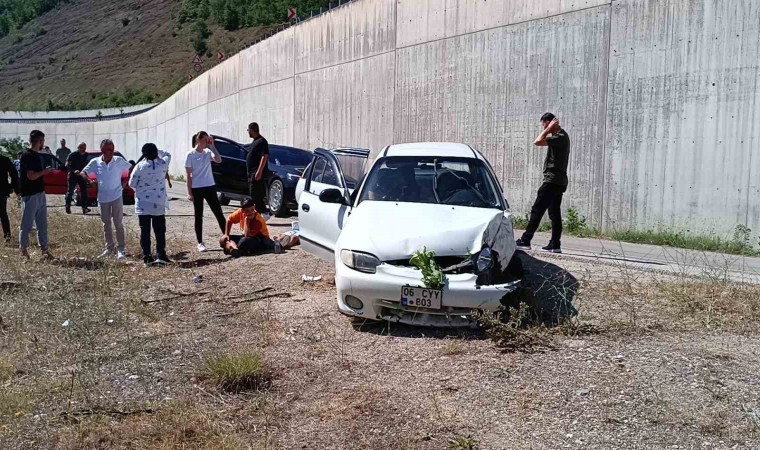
(34, 210)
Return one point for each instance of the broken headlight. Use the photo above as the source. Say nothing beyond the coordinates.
(363, 262)
(484, 260)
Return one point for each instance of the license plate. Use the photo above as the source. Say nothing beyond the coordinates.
(421, 297)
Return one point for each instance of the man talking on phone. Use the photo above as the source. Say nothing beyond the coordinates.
(550, 193)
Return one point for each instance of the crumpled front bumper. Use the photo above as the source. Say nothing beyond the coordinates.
(381, 295)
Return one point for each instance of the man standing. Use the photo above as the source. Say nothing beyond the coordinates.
(7, 172)
(63, 152)
(32, 189)
(555, 183)
(75, 163)
(148, 180)
(108, 169)
(257, 163)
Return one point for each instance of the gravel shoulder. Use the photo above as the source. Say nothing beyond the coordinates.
(649, 361)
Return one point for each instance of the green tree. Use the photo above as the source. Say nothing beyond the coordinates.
(11, 147)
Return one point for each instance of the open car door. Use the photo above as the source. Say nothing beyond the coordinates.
(325, 202)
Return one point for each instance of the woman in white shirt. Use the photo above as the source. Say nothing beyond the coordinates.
(148, 181)
(200, 183)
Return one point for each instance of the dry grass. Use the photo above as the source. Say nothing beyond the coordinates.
(664, 353)
(176, 426)
(235, 373)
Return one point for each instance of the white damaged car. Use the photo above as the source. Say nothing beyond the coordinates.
(440, 197)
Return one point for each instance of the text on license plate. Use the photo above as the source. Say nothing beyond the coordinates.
(421, 297)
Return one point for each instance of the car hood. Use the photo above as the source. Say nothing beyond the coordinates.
(393, 231)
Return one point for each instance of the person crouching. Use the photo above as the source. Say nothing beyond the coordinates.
(255, 237)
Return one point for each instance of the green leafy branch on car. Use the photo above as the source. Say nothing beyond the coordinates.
(432, 275)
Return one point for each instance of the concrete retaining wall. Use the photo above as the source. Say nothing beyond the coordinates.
(659, 97)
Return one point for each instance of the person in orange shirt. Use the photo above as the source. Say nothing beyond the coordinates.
(255, 237)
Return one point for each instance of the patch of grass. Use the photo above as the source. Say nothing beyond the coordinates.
(235, 373)
(7, 370)
(173, 427)
(14, 404)
(739, 245)
(452, 348)
(180, 178)
(462, 443)
(520, 333)
(714, 304)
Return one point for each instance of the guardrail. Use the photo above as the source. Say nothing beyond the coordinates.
(81, 119)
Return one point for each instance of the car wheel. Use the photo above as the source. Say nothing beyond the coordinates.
(276, 199)
(223, 199)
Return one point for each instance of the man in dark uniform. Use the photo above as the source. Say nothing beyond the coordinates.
(555, 183)
(75, 163)
(257, 163)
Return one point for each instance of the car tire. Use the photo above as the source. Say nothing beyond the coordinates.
(276, 199)
(223, 199)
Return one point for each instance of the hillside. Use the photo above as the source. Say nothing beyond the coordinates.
(94, 53)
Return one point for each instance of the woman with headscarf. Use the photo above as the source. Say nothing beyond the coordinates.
(148, 180)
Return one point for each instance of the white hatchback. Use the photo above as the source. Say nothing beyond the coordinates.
(439, 197)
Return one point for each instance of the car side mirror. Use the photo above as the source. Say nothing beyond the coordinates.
(332, 196)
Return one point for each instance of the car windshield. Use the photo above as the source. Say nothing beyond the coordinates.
(437, 180)
(290, 157)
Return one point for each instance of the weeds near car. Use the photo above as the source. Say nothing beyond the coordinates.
(432, 275)
(520, 333)
(235, 373)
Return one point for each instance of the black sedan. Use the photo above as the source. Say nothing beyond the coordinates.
(286, 164)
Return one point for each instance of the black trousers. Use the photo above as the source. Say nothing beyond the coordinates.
(549, 198)
(258, 191)
(249, 246)
(159, 229)
(4, 216)
(208, 194)
(74, 181)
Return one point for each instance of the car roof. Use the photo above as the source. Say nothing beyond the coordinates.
(348, 151)
(449, 149)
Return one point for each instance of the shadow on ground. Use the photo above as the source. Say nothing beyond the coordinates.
(548, 290)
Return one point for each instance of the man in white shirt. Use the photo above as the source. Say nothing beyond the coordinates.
(108, 170)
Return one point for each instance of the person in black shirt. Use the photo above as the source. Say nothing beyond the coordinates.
(550, 193)
(7, 172)
(63, 152)
(32, 190)
(75, 163)
(257, 164)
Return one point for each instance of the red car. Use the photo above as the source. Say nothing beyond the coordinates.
(57, 183)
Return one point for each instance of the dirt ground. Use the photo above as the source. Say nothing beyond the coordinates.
(97, 355)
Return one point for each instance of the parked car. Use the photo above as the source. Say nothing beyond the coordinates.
(56, 182)
(438, 197)
(286, 164)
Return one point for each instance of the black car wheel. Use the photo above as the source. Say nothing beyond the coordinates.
(277, 199)
(223, 199)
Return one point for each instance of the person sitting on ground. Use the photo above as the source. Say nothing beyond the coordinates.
(255, 237)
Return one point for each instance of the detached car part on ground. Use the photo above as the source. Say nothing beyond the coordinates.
(440, 197)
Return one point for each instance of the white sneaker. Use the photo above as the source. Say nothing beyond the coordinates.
(121, 256)
(105, 254)
(201, 247)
